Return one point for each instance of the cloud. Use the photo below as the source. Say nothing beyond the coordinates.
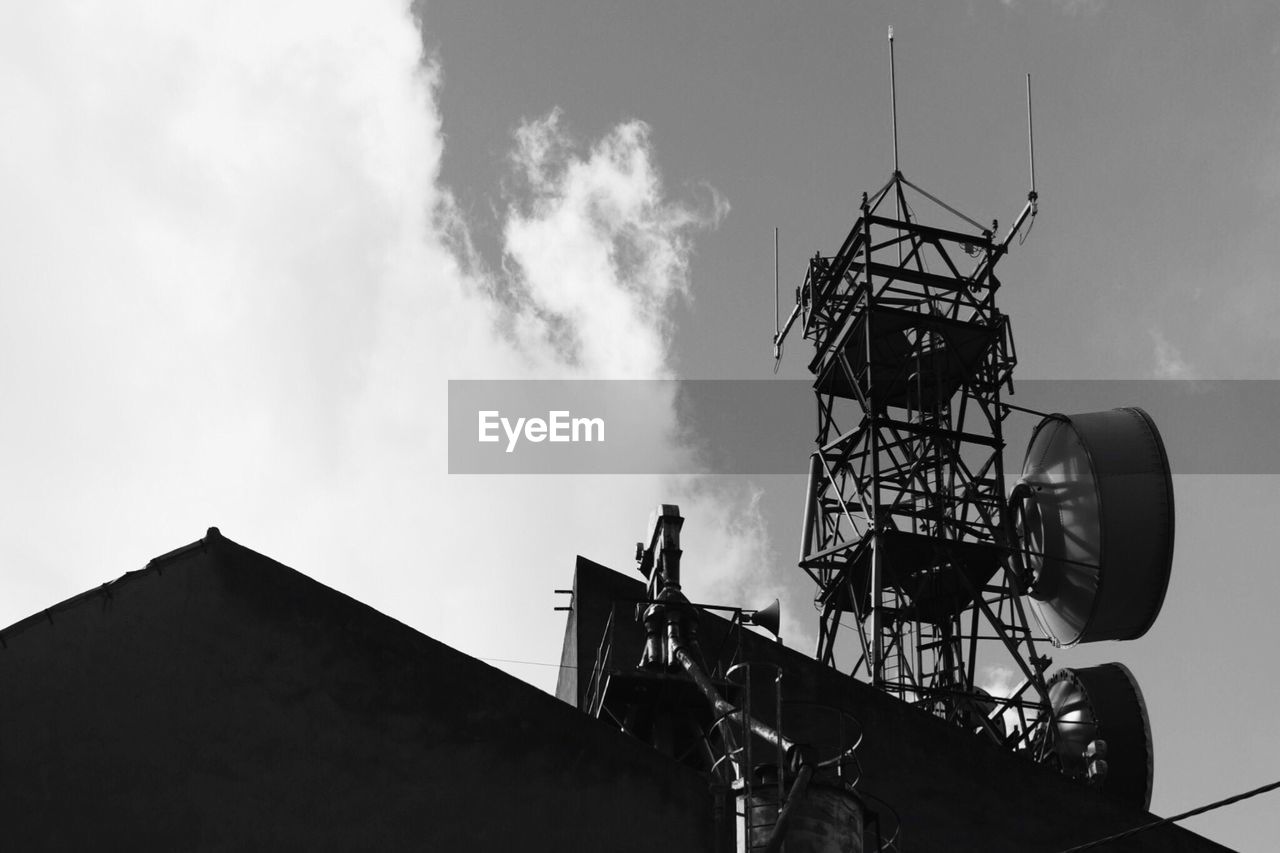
(731, 558)
(597, 253)
(999, 681)
(235, 291)
(1169, 363)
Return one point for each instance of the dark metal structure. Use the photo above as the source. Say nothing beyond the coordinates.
(928, 570)
(925, 565)
(1095, 507)
(906, 528)
(912, 784)
(784, 790)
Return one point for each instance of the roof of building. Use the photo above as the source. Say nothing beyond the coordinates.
(217, 699)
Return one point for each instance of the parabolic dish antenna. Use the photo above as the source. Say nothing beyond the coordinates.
(1095, 508)
(1104, 703)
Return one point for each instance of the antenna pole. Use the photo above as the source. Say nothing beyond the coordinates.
(1031, 139)
(776, 330)
(893, 100)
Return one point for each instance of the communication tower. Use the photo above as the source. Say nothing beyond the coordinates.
(925, 563)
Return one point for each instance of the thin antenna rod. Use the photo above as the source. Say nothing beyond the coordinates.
(893, 99)
(776, 330)
(1031, 139)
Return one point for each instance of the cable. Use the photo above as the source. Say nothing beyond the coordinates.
(1022, 238)
(1201, 810)
(530, 663)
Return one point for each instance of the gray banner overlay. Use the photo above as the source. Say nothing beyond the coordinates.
(768, 426)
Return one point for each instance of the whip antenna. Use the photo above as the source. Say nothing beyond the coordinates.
(1031, 140)
(893, 100)
(776, 320)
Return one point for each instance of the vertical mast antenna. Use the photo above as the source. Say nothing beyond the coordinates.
(776, 330)
(1031, 139)
(893, 99)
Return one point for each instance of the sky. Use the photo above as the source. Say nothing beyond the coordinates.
(248, 245)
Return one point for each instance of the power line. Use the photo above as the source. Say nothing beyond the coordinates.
(529, 663)
(1196, 811)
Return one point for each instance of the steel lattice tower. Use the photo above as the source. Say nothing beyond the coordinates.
(907, 526)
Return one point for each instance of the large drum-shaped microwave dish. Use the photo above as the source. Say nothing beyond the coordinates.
(1097, 525)
(1104, 703)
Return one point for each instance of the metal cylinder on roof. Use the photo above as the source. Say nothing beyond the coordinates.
(761, 816)
(827, 819)
(1097, 524)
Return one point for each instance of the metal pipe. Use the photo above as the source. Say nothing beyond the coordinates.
(810, 507)
(876, 659)
(777, 343)
(793, 755)
(1027, 210)
(876, 653)
(944, 205)
(798, 789)
(724, 709)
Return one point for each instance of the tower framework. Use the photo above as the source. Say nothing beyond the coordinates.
(907, 527)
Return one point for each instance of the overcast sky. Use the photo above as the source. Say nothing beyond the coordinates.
(247, 244)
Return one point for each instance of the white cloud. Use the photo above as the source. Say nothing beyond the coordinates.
(1169, 363)
(593, 219)
(730, 556)
(999, 681)
(235, 289)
